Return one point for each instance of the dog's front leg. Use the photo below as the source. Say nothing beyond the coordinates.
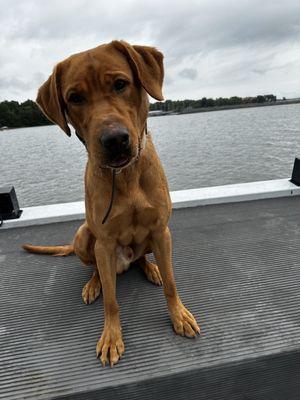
(110, 347)
(183, 321)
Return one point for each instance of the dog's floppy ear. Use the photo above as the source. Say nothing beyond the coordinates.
(147, 62)
(50, 100)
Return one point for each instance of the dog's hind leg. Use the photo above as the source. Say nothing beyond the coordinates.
(151, 270)
(84, 243)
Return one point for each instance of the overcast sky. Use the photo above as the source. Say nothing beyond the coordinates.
(212, 48)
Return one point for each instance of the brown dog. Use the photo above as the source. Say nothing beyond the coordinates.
(102, 92)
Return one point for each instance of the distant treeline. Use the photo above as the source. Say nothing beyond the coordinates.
(16, 115)
(189, 105)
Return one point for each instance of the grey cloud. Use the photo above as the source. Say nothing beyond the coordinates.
(180, 26)
(13, 83)
(213, 25)
(58, 19)
(264, 68)
(217, 40)
(20, 89)
(260, 71)
(38, 78)
(168, 80)
(189, 73)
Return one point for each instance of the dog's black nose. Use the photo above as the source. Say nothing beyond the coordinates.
(115, 141)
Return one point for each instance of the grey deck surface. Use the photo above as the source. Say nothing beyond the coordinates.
(238, 270)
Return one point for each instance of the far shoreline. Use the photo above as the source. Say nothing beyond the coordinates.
(192, 111)
(231, 107)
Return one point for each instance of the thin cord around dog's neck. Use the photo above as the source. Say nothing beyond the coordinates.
(114, 171)
(111, 197)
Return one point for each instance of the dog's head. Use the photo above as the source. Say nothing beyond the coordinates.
(103, 93)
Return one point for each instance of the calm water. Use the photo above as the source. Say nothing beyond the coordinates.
(197, 150)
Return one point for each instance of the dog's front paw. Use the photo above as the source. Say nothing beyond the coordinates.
(110, 347)
(91, 289)
(184, 322)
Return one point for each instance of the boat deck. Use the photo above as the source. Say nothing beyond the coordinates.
(237, 268)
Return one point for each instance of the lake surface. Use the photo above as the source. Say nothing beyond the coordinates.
(197, 150)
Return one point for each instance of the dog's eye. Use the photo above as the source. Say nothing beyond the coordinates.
(119, 85)
(76, 98)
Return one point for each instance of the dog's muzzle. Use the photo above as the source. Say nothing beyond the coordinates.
(116, 145)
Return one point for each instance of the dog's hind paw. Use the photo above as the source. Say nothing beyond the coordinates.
(91, 289)
(151, 271)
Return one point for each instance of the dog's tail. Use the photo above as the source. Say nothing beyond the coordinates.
(65, 250)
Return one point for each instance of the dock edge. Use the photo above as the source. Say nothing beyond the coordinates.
(62, 212)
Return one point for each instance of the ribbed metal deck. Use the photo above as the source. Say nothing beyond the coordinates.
(238, 270)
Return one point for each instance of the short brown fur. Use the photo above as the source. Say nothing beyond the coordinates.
(138, 222)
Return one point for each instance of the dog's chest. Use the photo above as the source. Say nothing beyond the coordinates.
(134, 219)
(138, 225)
(133, 238)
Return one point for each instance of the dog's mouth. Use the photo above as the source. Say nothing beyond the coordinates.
(119, 162)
